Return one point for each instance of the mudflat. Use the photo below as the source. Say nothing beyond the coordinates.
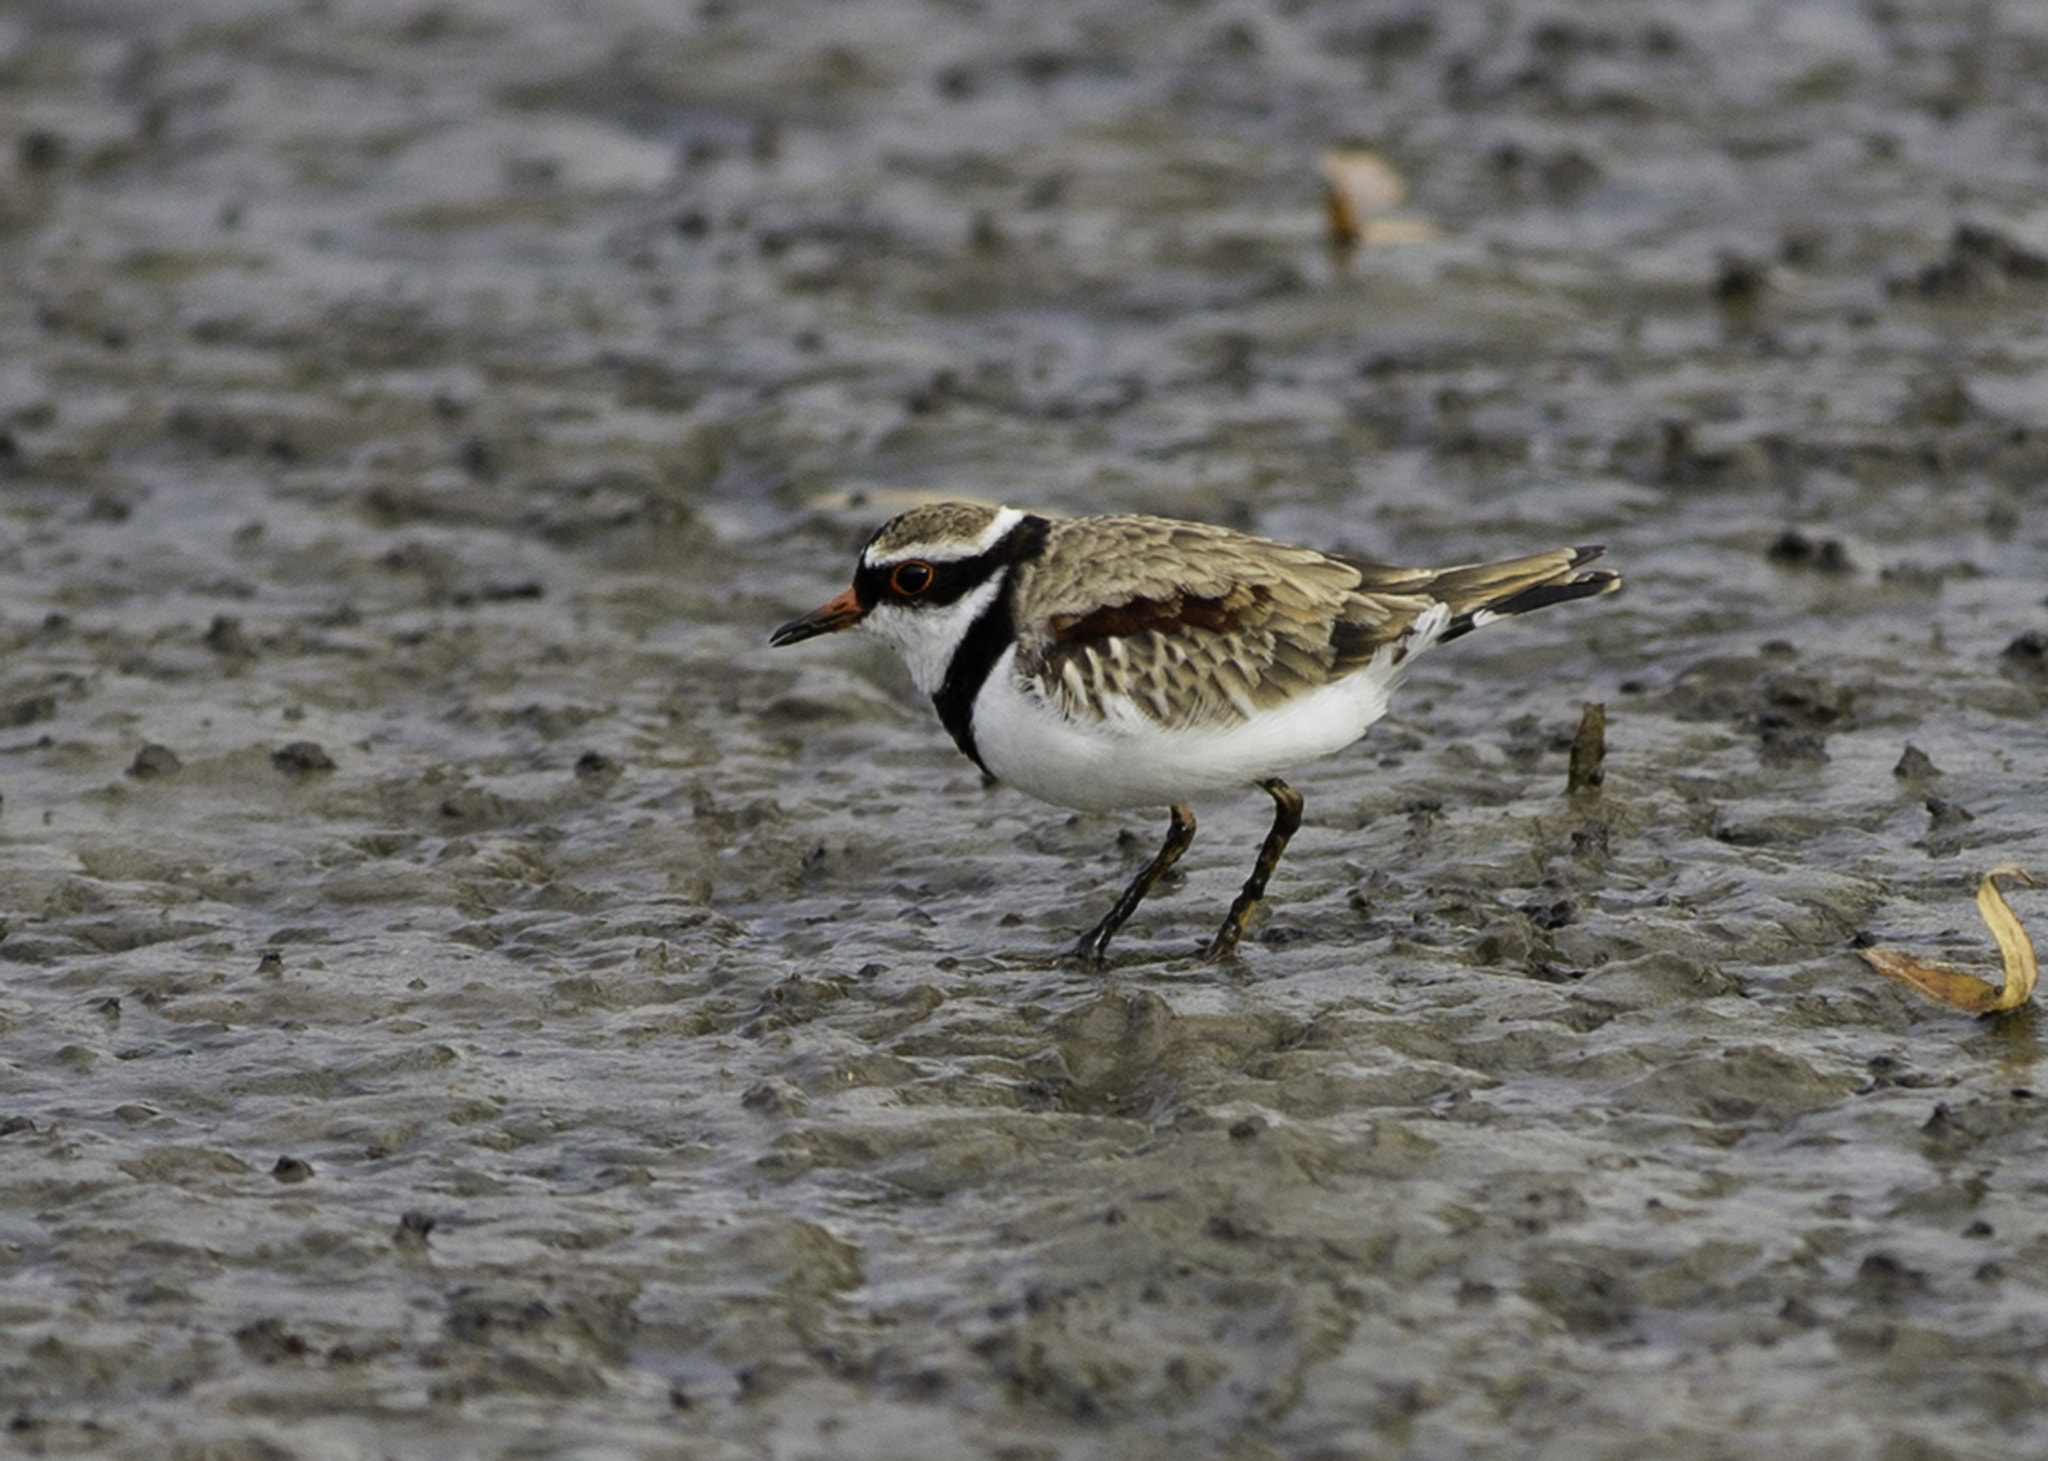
(461, 993)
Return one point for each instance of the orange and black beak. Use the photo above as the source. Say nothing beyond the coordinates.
(842, 613)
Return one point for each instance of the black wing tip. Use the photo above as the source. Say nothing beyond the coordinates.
(1579, 586)
(1541, 596)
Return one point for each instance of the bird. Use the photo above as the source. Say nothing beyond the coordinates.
(1123, 661)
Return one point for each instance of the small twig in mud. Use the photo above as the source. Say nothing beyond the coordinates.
(1958, 987)
(1589, 751)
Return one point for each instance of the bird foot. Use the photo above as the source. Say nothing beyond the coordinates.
(1087, 955)
(1217, 951)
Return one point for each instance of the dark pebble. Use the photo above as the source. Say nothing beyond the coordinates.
(1882, 1279)
(300, 757)
(268, 1342)
(1550, 916)
(412, 1230)
(1796, 1311)
(224, 636)
(154, 760)
(1915, 765)
(497, 593)
(1946, 814)
(2026, 657)
(1738, 282)
(595, 763)
(1794, 549)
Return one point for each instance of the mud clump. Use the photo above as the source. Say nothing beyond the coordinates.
(1747, 1084)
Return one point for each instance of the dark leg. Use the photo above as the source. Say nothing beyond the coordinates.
(1286, 822)
(1180, 831)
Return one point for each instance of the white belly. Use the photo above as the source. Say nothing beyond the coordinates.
(1129, 760)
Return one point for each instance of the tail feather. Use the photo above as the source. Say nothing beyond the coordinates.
(1485, 592)
(1411, 609)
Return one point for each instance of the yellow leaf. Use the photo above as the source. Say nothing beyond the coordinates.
(1957, 987)
(1360, 189)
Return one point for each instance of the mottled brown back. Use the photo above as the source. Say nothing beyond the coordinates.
(1202, 626)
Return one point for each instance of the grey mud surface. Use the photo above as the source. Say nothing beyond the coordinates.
(516, 1013)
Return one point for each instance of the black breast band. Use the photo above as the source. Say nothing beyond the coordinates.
(993, 631)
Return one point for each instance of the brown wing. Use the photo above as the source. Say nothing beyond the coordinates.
(1199, 626)
(1204, 626)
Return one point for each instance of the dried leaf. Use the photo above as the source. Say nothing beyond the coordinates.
(1957, 987)
(1361, 188)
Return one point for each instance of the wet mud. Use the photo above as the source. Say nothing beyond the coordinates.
(461, 993)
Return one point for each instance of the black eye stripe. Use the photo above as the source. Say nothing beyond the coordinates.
(950, 582)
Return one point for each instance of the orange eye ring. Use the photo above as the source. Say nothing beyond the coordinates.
(908, 580)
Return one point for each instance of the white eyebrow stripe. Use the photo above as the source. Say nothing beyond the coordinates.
(989, 536)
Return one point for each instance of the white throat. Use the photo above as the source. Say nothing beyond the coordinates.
(927, 638)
